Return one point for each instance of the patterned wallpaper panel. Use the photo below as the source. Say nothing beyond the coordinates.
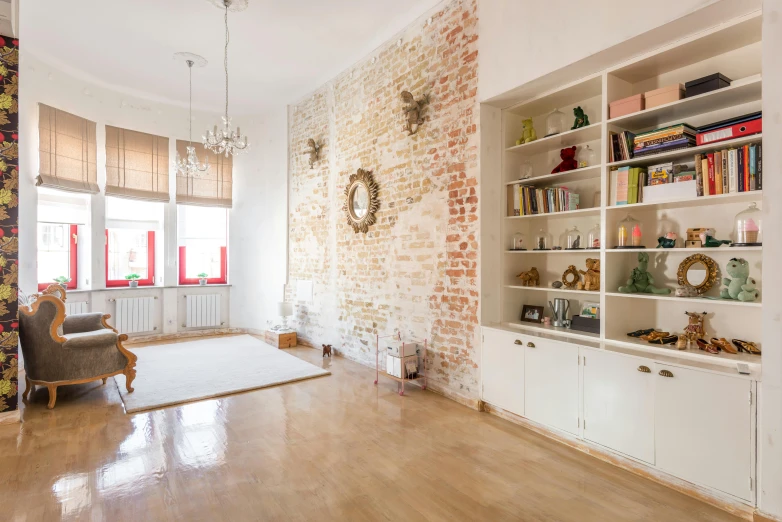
(9, 221)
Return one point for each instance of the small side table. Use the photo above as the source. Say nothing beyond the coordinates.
(281, 338)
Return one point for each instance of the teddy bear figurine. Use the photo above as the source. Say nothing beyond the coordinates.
(739, 285)
(591, 276)
(568, 162)
(528, 134)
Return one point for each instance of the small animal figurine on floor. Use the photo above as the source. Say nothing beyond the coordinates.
(592, 275)
(528, 134)
(582, 120)
(739, 285)
(642, 281)
(530, 277)
(326, 350)
(695, 328)
(667, 241)
(708, 240)
(568, 162)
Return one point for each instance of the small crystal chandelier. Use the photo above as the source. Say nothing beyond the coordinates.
(226, 140)
(190, 166)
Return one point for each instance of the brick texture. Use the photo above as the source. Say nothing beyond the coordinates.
(415, 271)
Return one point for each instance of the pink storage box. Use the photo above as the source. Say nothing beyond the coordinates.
(626, 106)
(663, 95)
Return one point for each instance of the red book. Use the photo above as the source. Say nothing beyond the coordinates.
(746, 167)
(712, 180)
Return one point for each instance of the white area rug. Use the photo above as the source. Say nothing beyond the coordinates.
(196, 370)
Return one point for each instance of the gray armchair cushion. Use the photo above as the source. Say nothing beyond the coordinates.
(78, 323)
(97, 338)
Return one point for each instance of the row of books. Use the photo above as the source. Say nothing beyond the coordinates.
(621, 146)
(627, 185)
(730, 170)
(528, 200)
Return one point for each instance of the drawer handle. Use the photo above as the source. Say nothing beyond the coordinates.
(666, 373)
(644, 369)
(517, 341)
(531, 345)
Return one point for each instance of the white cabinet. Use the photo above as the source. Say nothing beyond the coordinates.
(703, 428)
(502, 372)
(551, 383)
(619, 403)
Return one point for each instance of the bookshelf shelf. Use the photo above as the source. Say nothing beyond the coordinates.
(739, 92)
(577, 212)
(699, 300)
(684, 251)
(686, 153)
(582, 251)
(734, 197)
(553, 290)
(690, 353)
(556, 330)
(559, 141)
(562, 177)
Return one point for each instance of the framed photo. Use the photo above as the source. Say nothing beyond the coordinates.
(591, 310)
(532, 314)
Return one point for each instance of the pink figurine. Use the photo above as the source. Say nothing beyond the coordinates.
(636, 235)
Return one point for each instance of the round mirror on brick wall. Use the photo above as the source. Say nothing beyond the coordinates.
(361, 200)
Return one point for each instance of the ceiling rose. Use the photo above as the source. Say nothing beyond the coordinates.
(233, 5)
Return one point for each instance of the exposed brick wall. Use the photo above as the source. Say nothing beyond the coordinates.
(416, 270)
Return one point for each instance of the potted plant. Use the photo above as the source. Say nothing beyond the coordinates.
(202, 278)
(133, 280)
(62, 280)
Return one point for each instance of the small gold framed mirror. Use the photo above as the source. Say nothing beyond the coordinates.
(361, 200)
(699, 272)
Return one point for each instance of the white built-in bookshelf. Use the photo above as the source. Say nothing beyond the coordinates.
(733, 49)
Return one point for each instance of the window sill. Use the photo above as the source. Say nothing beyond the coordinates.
(156, 287)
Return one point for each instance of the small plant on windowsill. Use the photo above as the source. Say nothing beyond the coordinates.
(202, 278)
(133, 280)
(62, 280)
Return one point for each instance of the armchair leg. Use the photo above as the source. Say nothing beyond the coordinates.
(52, 395)
(130, 369)
(104, 380)
(28, 387)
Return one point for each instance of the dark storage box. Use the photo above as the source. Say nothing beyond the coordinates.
(708, 83)
(585, 324)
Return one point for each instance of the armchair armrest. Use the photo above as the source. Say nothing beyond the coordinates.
(80, 323)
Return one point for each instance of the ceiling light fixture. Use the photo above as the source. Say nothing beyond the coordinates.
(190, 166)
(226, 140)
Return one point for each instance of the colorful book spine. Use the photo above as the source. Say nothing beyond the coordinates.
(732, 169)
(632, 186)
(718, 172)
(712, 179)
(746, 169)
(760, 167)
(698, 174)
(740, 169)
(725, 186)
(752, 167)
(622, 186)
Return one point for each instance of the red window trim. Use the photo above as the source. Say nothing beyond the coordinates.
(222, 280)
(74, 258)
(150, 281)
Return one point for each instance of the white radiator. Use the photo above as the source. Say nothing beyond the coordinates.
(202, 310)
(76, 308)
(135, 314)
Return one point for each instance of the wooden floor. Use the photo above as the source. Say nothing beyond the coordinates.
(331, 448)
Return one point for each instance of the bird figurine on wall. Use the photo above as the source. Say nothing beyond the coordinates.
(313, 151)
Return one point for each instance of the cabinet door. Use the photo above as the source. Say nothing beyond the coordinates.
(619, 403)
(551, 383)
(703, 428)
(502, 373)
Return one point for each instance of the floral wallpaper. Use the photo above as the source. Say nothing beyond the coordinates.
(9, 221)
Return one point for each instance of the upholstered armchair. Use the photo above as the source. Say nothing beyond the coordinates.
(61, 350)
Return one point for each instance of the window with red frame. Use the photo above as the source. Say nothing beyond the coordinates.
(130, 251)
(203, 239)
(57, 254)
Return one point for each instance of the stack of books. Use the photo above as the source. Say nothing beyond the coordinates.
(730, 170)
(679, 136)
(529, 200)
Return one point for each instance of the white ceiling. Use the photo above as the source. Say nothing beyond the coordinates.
(280, 49)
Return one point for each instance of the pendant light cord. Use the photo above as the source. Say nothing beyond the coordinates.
(190, 110)
(225, 60)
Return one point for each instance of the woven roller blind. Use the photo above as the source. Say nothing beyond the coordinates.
(67, 150)
(211, 188)
(136, 165)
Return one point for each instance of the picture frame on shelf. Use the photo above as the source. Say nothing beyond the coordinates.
(590, 310)
(532, 314)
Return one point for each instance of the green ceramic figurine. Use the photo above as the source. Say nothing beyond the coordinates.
(739, 285)
(708, 239)
(641, 281)
(582, 120)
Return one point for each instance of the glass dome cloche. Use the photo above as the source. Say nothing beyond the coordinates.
(518, 242)
(749, 227)
(587, 157)
(593, 238)
(543, 241)
(556, 123)
(525, 170)
(629, 233)
(574, 240)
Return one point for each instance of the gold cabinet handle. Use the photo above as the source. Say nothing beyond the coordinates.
(531, 345)
(666, 373)
(644, 369)
(518, 341)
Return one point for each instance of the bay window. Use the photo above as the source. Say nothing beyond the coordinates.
(203, 234)
(130, 240)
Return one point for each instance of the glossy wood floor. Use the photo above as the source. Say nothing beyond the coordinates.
(332, 448)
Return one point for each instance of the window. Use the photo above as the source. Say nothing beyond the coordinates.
(203, 233)
(57, 254)
(130, 240)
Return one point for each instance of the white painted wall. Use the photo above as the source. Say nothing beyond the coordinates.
(259, 224)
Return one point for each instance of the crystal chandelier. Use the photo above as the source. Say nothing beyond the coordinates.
(190, 166)
(226, 140)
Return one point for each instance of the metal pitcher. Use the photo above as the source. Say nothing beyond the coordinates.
(559, 311)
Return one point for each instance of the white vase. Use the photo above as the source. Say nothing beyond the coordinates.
(202, 281)
(133, 284)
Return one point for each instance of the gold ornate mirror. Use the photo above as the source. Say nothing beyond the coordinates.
(361, 201)
(698, 271)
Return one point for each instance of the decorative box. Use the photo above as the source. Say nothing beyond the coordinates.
(663, 95)
(585, 324)
(627, 105)
(400, 349)
(671, 191)
(396, 366)
(281, 339)
(708, 83)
